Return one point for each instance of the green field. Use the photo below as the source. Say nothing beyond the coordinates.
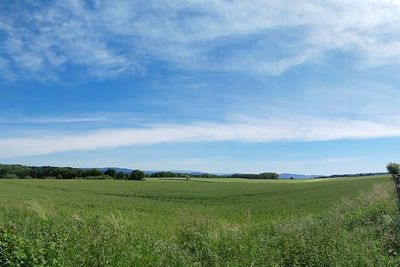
(201, 222)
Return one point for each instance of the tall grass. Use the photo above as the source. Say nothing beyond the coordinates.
(361, 231)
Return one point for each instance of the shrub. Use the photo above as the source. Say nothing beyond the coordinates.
(136, 175)
(393, 168)
(18, 251)
(11, 176)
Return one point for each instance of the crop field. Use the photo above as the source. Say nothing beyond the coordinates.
(201, 222)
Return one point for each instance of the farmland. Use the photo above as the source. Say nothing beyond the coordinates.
(201, 222)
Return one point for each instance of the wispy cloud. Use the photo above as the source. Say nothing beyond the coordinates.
(50, 120)
(109, 38)
(258, 130)
(130, 118)
(68, 121)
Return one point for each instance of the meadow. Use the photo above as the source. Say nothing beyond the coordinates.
(201, 222)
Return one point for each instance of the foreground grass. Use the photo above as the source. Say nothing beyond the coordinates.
(198, 223)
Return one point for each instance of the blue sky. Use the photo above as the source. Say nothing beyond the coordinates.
(220, 86)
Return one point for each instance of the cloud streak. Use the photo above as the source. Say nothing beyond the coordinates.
(258, 130)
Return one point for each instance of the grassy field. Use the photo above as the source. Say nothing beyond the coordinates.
(201, 222)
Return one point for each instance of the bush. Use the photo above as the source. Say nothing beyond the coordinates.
(18, 251)
(136, 175)
(393, 168)
(11, 176)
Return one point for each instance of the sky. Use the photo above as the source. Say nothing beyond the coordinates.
(221, 86)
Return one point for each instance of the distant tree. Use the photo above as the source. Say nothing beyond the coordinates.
(92, 172)
(264, 175)
(164, 174)
(111, 172)
(136, 175)
(269, 175)
(121, 176)
(3, 173)
(11, 176)
(393, 168)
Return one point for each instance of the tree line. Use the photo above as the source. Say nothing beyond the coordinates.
(49, 172)
(264, 175)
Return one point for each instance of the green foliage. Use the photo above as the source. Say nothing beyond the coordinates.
(121, 176)
(269, 175)
(393, 168)
(111, 172)
(47, 172)
(10, 176)
(136, 175)
(164, 174)
(16, 250)
(264, 175)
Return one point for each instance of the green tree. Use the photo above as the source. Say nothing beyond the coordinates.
(111, 172)
(269, 175)
(92, 172)
(121, 176)
(3, 173)
(393, 168)
(136, 175)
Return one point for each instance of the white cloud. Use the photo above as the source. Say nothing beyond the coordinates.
(108, 38)
(257, 130)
